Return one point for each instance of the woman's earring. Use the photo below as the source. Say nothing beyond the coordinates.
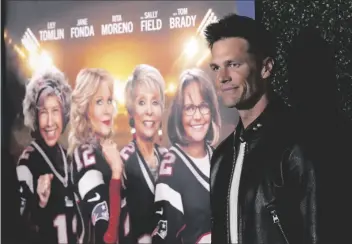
(133, 132)
(160, 133)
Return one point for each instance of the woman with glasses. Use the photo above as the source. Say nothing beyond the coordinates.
(182, 191)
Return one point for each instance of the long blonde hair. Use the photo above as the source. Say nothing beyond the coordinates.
(87, 84)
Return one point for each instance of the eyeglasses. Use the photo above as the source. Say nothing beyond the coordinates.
(190, 109)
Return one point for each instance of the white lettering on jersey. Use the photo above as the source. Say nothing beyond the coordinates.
(79, 164)
(167, 164)
(87, 156)
(127, 151)
(61, 226)
(74, 224)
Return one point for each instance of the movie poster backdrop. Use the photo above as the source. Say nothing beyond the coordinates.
(116, 36)
(120, 36)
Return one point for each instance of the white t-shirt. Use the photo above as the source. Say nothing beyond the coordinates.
(235, 182)
(203, 164)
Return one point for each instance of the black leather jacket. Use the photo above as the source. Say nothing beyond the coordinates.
(277, 192)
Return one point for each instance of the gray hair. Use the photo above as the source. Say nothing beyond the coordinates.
(46, 83)
(146, 75)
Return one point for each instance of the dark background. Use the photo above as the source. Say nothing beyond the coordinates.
(334, 21)
(288, 20)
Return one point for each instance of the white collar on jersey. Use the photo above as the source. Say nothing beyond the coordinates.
(64, 180)
(181, 154)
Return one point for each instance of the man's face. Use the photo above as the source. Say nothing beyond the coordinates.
(238, 79)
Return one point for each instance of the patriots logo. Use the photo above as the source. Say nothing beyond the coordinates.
(162, 229)
(100, 211)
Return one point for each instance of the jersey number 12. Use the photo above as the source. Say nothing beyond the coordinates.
(87, 156)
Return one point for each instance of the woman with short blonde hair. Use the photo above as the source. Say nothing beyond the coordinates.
(96, 163)
(148, 76)
(144, 94)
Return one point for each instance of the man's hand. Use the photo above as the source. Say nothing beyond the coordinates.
(112, 156)
(44, 189)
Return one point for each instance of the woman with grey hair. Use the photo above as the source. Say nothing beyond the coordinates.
(144, 94)
(42, 168)
(182, 191)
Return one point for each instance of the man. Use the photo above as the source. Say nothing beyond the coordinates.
(262, 186)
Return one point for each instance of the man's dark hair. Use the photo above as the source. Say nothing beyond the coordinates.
(261, 42)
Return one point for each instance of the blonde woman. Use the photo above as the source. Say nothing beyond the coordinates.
(182, 191)
(46, 197)
(96, 163)
(144, 93)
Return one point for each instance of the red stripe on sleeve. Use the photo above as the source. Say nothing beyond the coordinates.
(111, 235)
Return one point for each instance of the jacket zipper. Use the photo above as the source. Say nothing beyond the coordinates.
(276, 221)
